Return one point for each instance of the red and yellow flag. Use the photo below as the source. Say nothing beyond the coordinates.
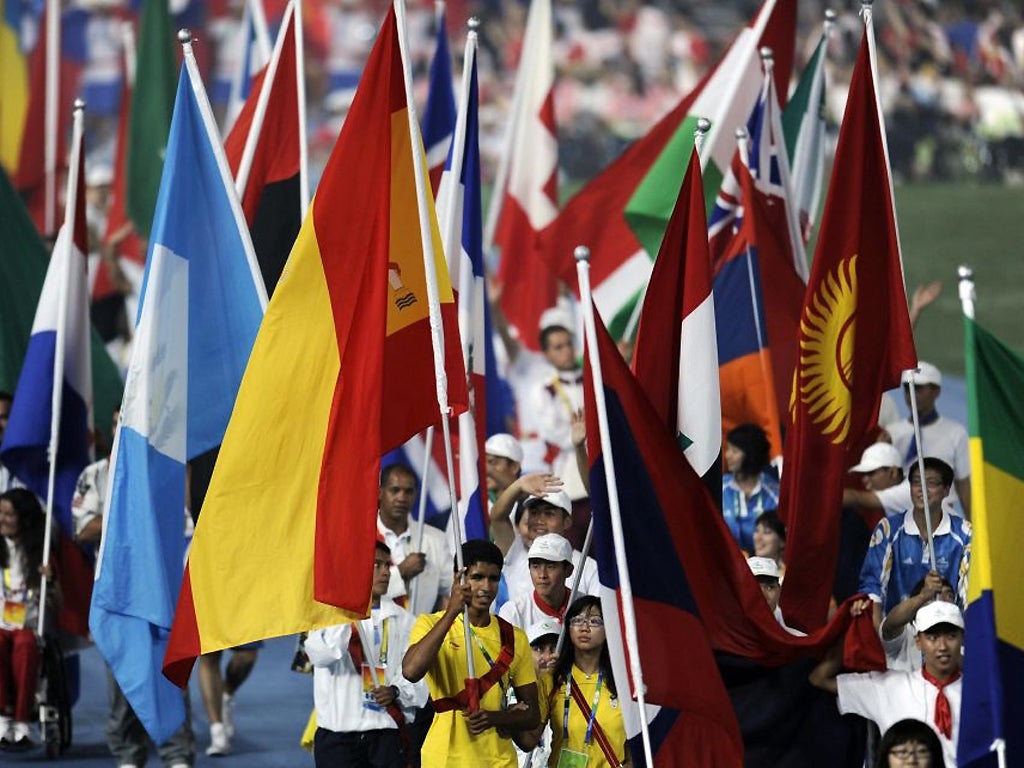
(854, 341)
(342, 371)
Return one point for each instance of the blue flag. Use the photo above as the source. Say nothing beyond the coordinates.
(439, 114)
(201, 305)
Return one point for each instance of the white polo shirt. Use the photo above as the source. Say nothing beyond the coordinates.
(888, 697)
(517, 572)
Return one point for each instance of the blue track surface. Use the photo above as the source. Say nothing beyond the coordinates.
(270, 712)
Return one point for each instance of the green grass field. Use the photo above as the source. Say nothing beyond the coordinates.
(944, 226)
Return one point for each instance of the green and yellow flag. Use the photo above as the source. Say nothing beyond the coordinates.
(992, 709)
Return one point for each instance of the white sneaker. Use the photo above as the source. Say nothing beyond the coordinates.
(227, 714)
(6, 732)
(19, 736)
(220, 744)
(181, 765)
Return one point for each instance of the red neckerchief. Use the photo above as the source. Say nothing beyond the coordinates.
(943, 711)
(547, 610)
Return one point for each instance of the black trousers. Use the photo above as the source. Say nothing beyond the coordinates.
(358, 749)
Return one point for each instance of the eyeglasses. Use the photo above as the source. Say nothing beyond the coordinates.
(904, 754)
(594, 622)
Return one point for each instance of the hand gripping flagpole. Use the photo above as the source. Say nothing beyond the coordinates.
(582, 255)
(64, 288)
(436, 326)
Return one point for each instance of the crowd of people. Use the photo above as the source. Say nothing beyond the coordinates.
(952, 73)
(525, 605)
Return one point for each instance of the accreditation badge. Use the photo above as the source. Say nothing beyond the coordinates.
(14, 614)
(368, 701)
(570, 758)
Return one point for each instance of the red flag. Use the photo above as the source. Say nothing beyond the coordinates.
(271, 198)
(529, 195)
(855, 340)
(131, 246)
(676, 359)
(30, 179)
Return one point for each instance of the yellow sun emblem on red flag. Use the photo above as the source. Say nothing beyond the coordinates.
(826, 352)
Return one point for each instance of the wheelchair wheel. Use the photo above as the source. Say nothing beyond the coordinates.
(54, 702)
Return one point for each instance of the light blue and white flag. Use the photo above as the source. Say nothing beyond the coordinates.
(201, 305)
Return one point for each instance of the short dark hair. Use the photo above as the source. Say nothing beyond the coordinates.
(772, 522)
(480, 551)
(753, 441)
(5, 395)
(910, 730)
(930, 462)
(399, 468)
(383, 547)
(545, 334)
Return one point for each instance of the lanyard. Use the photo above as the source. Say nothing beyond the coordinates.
(588, 737)
(381, 643)
(490, 663)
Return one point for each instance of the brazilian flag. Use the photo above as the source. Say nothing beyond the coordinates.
(992, 710)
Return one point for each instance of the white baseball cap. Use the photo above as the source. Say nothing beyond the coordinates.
(551, 547)
(558, 499)
(505, 446)
(543, 628)
(556, 317)
(763, 566)
(878, 456)
(925, 374)
(938, 612)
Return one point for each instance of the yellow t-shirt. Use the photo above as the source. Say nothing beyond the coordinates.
(449, 742)
(609, 715)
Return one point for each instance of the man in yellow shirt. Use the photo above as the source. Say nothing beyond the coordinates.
(465, 732)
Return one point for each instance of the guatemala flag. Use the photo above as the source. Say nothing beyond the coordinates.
(201, 305)
(439, 114)
(61, 321)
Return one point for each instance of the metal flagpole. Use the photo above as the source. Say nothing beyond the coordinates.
(300, 89)
(428, 446)
(436, 326)
(920, 465)
(577, 577)
(64, 287)
(582, 255)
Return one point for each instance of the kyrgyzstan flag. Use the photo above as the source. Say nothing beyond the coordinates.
(341, 372)
(855, 340)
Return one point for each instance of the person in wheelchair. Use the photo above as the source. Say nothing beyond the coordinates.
(22, 527)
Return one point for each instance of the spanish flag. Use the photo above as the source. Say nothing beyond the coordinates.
(992, 710)
(342, 371)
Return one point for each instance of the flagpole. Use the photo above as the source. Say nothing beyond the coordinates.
(128, 44)
(51, 111)
(785, 178)
(577, 577)
(300, 90)
(582, 255)
(64, 285)
(260, 113)
(450, 232)
(434, 303)
(210, 124)
(428, 445)
(920, 465)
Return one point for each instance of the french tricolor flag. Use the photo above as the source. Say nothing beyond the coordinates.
(54, 391)
(461, 214)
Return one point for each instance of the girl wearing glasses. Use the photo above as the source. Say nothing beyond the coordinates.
(586, 719)
(910, 742)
